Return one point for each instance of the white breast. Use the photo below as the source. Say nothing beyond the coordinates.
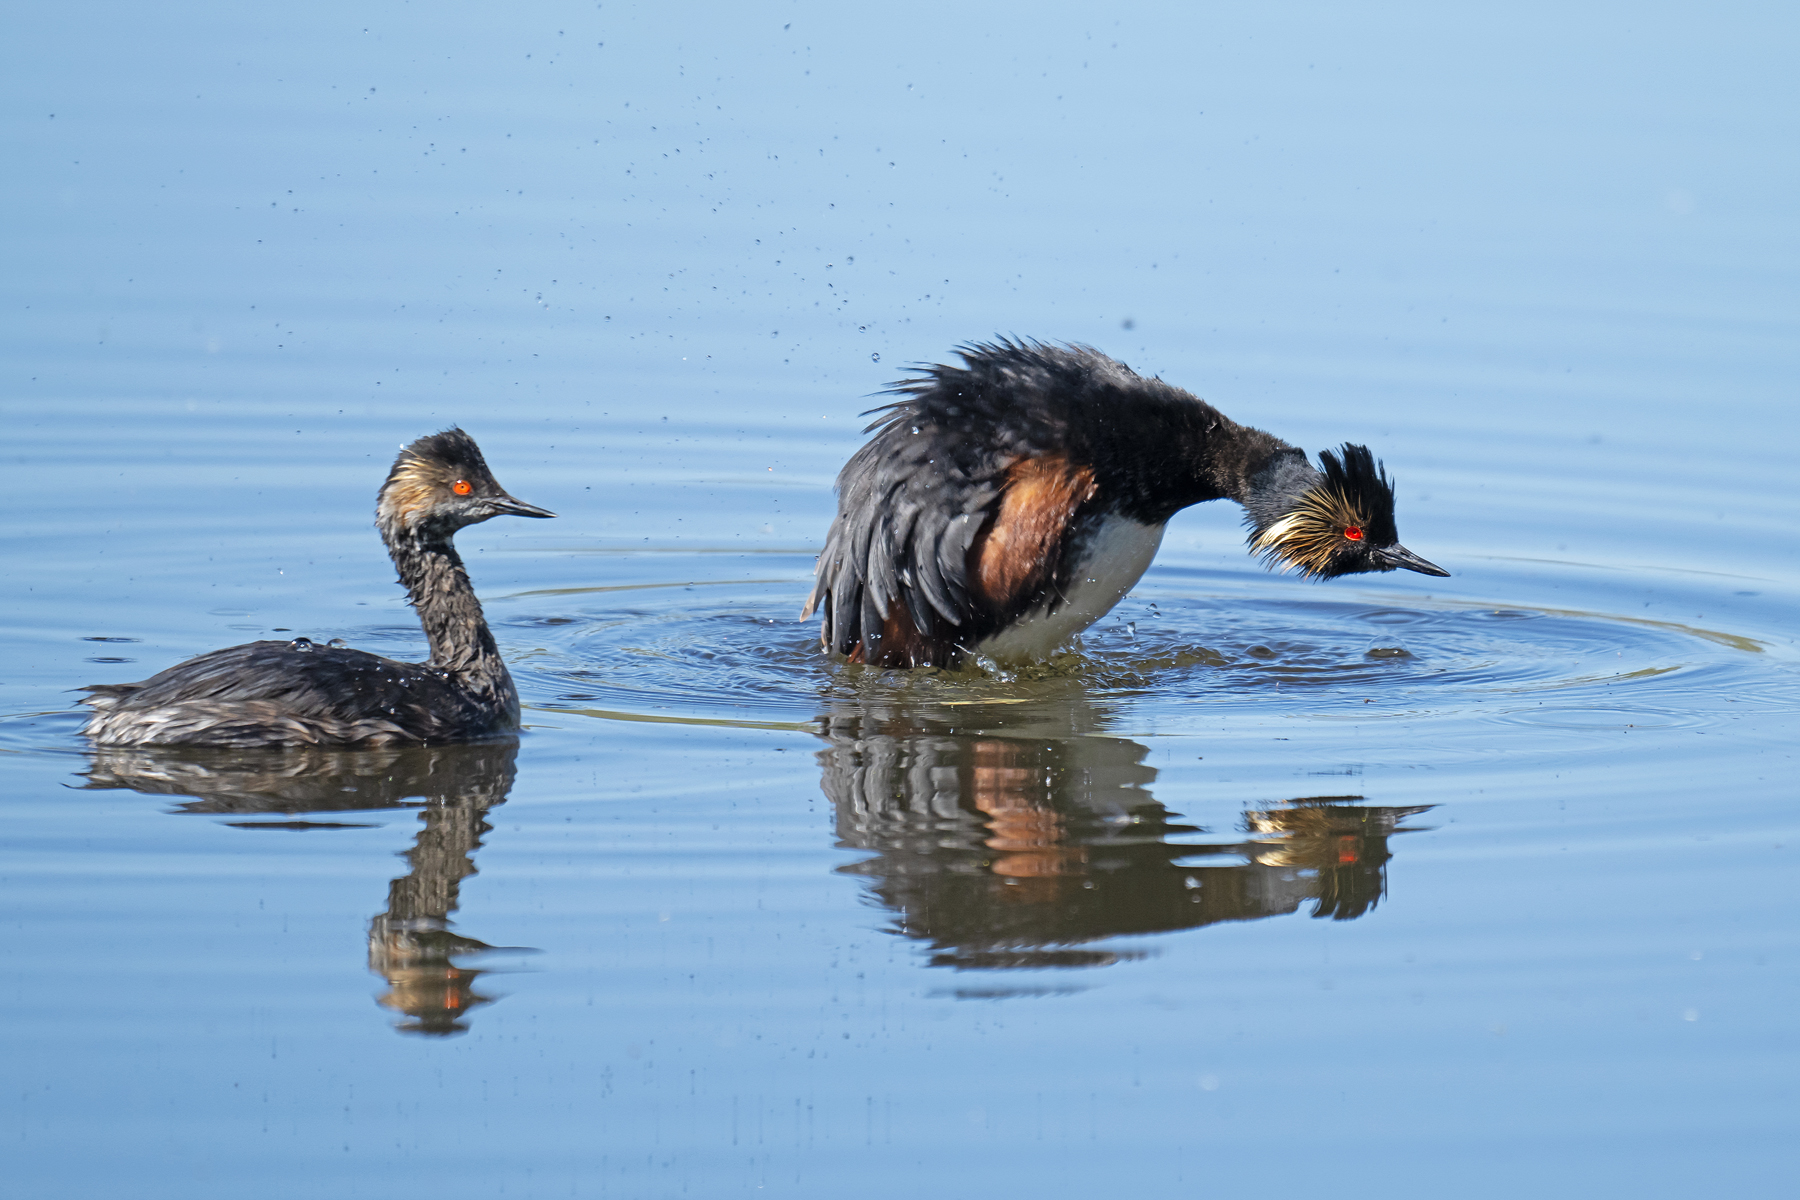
(1117, 554)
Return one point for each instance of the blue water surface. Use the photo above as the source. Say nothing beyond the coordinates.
(1388, 886)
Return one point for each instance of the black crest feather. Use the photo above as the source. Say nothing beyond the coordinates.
(1365, 486)
(452, 447)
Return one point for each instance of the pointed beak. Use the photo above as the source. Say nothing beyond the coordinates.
(1406, 560)
(505, 506)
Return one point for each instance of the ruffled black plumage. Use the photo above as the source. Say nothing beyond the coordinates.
(908, 576)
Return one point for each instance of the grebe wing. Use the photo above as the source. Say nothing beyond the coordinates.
(299, 677)
(897, 551)
(929, 554)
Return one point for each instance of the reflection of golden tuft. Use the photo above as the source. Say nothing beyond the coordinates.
(1344, 845)
(414, 957)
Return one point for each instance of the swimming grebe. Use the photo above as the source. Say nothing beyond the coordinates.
(302, 693)
(1005, 505)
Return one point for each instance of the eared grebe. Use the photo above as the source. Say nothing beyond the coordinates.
(302, 693)
(1005, 505)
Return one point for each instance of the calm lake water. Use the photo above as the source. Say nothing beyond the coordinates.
(1389, 886)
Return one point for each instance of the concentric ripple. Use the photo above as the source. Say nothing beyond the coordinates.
(737, 654)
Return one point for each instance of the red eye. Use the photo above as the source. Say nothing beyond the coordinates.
(461, 487)
(1353, 533)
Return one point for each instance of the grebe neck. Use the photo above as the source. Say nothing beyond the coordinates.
(1271, 492)
(438, 587)
(1180, 451)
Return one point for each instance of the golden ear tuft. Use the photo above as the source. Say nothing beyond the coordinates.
(1309, 537)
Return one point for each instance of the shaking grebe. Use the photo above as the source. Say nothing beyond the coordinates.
(1005, 505)
(302, 693)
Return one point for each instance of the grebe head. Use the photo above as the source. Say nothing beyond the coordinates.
(440, 484)
(1341, 525)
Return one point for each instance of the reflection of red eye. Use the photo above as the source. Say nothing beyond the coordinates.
(461, 487)
(1353, 533)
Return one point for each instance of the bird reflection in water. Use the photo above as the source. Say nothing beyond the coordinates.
(1003, 849)
(411, 943)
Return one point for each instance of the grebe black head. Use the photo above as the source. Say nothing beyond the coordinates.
(441, 484)
(1343, 524)
(301, 693)
(1005, 505)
